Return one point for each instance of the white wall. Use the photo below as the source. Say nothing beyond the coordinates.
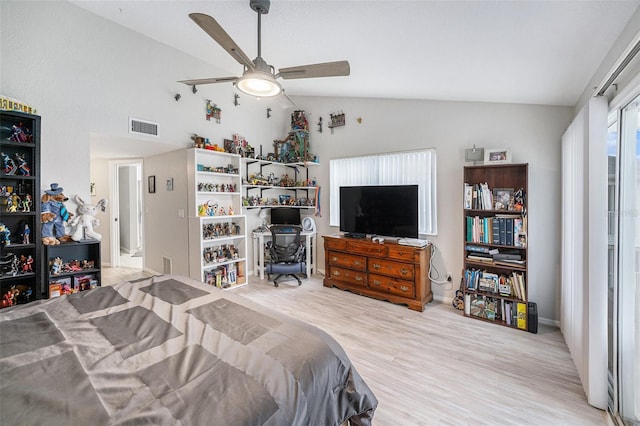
(532, 132)
(87, 76)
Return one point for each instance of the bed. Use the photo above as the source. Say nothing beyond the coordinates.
(167, 350)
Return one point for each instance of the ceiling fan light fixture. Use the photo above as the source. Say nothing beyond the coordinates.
(259, 84)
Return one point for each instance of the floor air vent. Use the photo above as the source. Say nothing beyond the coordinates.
(141, 127)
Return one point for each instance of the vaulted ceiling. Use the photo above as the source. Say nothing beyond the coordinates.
(535, 52)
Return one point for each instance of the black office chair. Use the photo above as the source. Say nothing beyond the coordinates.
(286, 252)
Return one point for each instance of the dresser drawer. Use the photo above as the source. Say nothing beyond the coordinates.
(396, 269)
(392, 285)
(367, 248)
(335, 244)
(348, 276)
(347, 260)
(402, 253)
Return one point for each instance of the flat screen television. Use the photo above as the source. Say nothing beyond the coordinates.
(385, 210)
(285, 216)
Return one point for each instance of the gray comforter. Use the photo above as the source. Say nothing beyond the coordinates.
(168, 350)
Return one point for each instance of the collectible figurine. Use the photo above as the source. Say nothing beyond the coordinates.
(5, 235)
(53, 216)
(26, 233)
(23, 168)
(9, 166)
(86, 220)
(19, 134)
(26, 203)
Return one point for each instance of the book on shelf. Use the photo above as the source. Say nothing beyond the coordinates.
(507, 254)
(468, 196)
(483, 307)
(522, 316)
(481, 249)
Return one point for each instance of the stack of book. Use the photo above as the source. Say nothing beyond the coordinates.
(504, 230)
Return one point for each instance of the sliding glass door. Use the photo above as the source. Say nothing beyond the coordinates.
(624, 263)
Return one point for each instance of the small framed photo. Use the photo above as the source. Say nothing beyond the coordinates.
(284, 199)
(152, 184)
(170, 184)
(497, 155)
(504, 198)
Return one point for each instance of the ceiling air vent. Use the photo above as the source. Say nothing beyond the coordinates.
(141, 127)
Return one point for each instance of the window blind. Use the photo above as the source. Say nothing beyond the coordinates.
(401, 168)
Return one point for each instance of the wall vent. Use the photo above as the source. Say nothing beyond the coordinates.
(167, 265)
(141, 127)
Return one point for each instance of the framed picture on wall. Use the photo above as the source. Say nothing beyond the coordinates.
(152, 184)
(497, 155)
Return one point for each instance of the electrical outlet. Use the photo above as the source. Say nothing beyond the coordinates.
(449, 278)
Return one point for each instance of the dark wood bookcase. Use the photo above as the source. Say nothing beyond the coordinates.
(495, 253)
(20, 257)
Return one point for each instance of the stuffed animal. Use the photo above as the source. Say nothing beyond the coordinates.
(53, 215)
(86, 220)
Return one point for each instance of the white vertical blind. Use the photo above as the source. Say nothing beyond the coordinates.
(584, 247)
(400, 168)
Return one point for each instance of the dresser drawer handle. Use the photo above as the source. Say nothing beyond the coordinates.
(376, 266)
(404, 288)
(356, 263)
(404, 271)
(377, 282)
(358, 278)
(334, 258)
(336, 273)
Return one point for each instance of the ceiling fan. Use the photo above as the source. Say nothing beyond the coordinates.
(259, 78)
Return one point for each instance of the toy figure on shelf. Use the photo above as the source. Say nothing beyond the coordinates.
(8, 165)
(299, 121)
(56, 266)
(26, 263)
(26, 234)
(53, 215)
(23, 168)
(19, 134)
(25, 205)
(5, 235)
(86, 220)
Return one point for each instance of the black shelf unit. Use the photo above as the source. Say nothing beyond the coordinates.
(20, 252)
(74, 271)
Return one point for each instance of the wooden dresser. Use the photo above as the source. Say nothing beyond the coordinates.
(386, 271)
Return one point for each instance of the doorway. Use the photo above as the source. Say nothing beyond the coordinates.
(127, 248)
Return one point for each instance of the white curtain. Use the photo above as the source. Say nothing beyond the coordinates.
(401, 168)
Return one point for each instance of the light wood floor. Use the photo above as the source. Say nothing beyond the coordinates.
(435, 367)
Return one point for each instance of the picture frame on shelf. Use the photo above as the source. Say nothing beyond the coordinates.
(152, 184)
(283, 199)
(504, 198)
(497, 156)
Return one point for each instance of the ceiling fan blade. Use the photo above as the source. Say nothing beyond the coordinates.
(211, 27)
(325, 69)
(208, 81)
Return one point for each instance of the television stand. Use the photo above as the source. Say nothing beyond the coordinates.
(388, 271)
(355, 235)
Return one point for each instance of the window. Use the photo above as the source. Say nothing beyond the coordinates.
(400, 168)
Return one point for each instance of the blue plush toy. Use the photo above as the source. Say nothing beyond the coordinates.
(54, 214)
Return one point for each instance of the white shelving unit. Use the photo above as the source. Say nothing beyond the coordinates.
(217, 230)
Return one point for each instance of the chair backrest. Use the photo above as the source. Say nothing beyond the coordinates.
(285, 243)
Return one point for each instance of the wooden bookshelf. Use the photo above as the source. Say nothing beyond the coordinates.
(495, 253)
